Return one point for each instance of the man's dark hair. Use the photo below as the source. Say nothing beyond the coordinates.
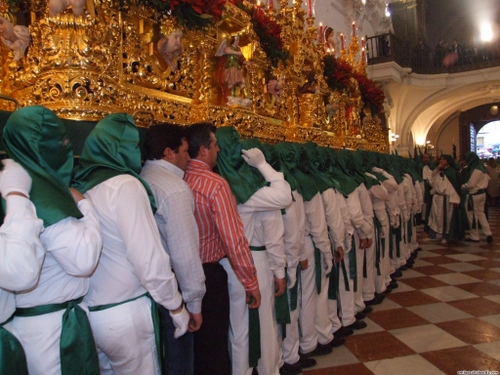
(199, 135)
(161, 136)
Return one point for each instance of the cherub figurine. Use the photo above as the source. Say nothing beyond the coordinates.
(56, 6)
(15, 37)
(275, 87)
(170, 47)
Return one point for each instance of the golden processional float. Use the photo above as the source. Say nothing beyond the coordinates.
(265, 69)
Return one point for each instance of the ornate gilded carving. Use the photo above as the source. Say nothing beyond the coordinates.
(105, 59)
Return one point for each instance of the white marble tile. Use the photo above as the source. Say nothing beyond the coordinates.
(497, 269)
(456, 278)
(427, 254)
(414, 364)
(371, 326)
(402, 287)
(465, 257)
(490, 348)
(492, 319)
(386, 305)
(421, 263)
(432, 246)
(439, 312)
(411, 273)
(496, 282)
(461, 267)
(426, 338)
(338, 357)
(448, 293)
(494, 298)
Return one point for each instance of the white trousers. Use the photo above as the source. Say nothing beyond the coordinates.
(125, 339)
(479, 216)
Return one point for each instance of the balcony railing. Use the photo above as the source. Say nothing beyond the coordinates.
(422, 59)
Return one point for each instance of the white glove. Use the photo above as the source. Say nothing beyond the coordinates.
(181, 321)
(14, 178)
(253, 157)
(328, 262)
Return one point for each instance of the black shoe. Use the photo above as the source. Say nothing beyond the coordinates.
(320, 350)
(418, 249)
(367, 310)
(387, 291)
(360, 316)
(336, 342)
(376, 300)
(393, 285)
(403, 268)
(380, 295)
(343, 332)
(306, 362)
(471, 240)
(255, 372)
(288, 369)
(489, 239)
(358, 324)
(396, 274)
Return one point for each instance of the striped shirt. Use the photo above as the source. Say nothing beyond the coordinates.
(219, 224)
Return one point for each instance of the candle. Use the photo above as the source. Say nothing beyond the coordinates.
(363, 54)
(362, 42)
(341, 41)
(270, 5)
(320, 32)
(258, 4)
(354, 29)
(309, 8)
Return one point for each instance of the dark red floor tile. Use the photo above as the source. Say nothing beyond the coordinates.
(424, 282)
(487, 263)
(376, 345)
(397, 318)
(471, 331)
(446, 252)
(354, 369)
(485, 275)
(439, 260)
(413, 298)
(477, 306)
(432, 270)
(450, 361)
(481, 289)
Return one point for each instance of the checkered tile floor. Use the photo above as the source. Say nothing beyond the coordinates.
(443, 318)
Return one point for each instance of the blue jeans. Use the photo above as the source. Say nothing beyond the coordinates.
(180, 352)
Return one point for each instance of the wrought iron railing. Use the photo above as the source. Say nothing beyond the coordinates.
(422, 59)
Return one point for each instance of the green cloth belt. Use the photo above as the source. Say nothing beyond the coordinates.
(76, 346)
(409, 229)
(12, 358)
(346, 277)
(365, 271)
(294, 291)
(333, 282)
(253, 337)
(254, 328)
(353, 264)
(161, 348)
(317, 261)
(378, 243)
(445, 215)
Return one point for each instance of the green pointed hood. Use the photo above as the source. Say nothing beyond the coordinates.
(36, 138)
(111, 149)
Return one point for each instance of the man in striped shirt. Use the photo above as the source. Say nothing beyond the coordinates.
(221, 235)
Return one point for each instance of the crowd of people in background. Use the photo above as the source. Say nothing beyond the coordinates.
(216, 255)
(447, 54)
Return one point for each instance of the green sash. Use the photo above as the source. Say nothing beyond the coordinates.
(161, 349)
(12, 358)
(333, 280)
(294, 291)
(77, 347)
(346, 276)
(353, 264)
(378, 243)
(317, 263)
(254, 328)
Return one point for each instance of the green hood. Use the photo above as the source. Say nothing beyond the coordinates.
(36, 138)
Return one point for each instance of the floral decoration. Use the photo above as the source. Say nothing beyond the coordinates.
(191, 13)
(372, 93)
(337, 73)
(268, 31)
